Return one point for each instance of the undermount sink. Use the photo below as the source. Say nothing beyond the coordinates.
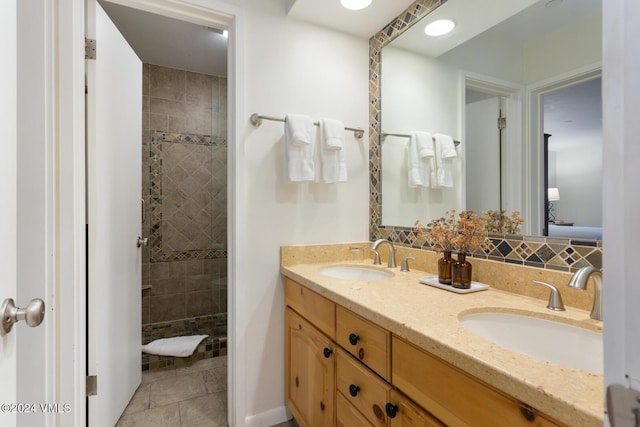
(544, 339)
(356, 273)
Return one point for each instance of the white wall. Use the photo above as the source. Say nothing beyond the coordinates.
(418, 94)
(291, 66)
(578, 175)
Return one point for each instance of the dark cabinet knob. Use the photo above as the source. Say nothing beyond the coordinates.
(353, 339)
(391, 409)
(354, 390)
(327, 352)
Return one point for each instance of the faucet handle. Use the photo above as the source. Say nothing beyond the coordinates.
(555, 300)
(405, 263)
(376, 257)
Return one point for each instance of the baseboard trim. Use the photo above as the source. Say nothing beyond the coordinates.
(268, 418)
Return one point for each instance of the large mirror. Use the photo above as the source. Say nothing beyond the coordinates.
(532, 65)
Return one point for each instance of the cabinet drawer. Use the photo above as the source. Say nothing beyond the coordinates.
(362, 388)
(348, 416)
(366, 341)
(315, 308)
(451, 395)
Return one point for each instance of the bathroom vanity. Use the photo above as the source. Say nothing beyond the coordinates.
(392, 352)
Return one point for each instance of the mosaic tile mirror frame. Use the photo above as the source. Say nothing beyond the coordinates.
(542, 252)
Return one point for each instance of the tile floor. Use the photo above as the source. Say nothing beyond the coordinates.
(192, 396)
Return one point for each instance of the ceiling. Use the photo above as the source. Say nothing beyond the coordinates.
(362, 23)
(173, 43)
(526, 20)
(170, 42)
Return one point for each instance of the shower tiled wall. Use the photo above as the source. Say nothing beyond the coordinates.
(184, 147)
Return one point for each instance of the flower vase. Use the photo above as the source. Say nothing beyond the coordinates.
(461, 272)
(444, 268)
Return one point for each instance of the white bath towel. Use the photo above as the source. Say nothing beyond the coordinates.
(299, 148)
(334, 165)
(445, 151)
(420, 157)
(176, 346)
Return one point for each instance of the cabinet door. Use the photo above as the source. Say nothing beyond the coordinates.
(310, 373)
(404, 413)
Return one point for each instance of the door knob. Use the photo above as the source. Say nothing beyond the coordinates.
(33, 314)
(142, 242)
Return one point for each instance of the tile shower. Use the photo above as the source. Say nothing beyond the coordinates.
(184, 169)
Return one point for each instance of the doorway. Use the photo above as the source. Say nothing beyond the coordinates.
(538, 179)
(185, 157)
(572, 117)
(492, 135)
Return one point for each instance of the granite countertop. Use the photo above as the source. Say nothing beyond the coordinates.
(428, 317)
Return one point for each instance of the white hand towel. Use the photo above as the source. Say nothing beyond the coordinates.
(445, 150)
(334, 166)
(332, 133)
(298, 144)
(419, 154)
(176, 346)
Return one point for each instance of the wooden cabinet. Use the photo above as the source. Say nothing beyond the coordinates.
(310, 373)
(372, 378)
(453, 396)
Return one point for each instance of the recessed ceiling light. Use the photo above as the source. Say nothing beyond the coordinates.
(355, 4)
(439, 27)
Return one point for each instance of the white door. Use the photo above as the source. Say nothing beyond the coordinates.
(8, 172)
(482, 155)
(114, 132)
(26, 356)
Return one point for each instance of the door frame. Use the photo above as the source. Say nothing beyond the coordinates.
(536, 201)
(71, 201)
(513, 191)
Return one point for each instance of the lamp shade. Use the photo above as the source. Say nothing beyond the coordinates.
(553, 194)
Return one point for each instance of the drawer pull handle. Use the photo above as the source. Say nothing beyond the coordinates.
(321, 405)
(392, 410)
(297, 382)
(354, 390)
(353, 339)
(528, 412)
(327, 352)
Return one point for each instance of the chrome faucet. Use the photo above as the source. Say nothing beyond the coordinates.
(392, 253)
(579, 281)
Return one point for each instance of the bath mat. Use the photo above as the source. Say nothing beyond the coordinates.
(176, 346)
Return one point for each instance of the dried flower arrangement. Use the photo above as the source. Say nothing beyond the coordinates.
(498, 222)
(448, 234)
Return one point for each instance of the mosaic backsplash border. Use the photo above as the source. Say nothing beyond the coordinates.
(155, 196)
(541, 252)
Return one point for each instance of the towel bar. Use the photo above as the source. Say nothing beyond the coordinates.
(406, 135)
(256, 120)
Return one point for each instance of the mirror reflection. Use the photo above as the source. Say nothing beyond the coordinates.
(509, 73)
